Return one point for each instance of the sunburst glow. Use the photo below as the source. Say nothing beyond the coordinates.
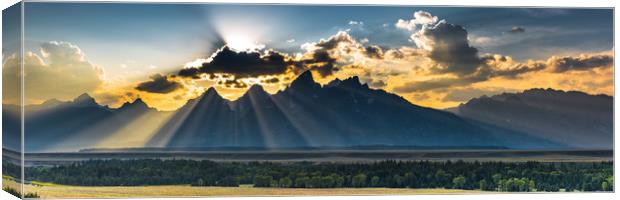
(241, 42)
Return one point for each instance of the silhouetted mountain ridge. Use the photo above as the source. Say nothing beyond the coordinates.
(306, 114)
(342, 113)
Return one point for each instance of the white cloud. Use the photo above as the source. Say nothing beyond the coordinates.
(422, 17)
(419, 18)
(196, 63)
(356, 23)
(405, 24)
(483, 41)
(60, 71)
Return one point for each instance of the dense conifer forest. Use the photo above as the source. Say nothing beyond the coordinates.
(489, 176)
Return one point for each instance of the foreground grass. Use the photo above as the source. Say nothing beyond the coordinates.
(14, 188)
(64, 191)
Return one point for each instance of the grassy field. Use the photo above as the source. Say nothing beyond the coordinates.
(63, 191)
(8, 181)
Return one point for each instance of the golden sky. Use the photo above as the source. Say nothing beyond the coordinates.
(441, 66)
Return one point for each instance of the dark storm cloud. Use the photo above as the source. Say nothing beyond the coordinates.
(246, 64)
(241, 64)
(581, 63)
(451, 49)
(516, 29)
(159, 84)
(191, 72)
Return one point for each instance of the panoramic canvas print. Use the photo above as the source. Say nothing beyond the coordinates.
(118, 100)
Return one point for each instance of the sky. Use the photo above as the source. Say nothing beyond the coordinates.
(433, 56)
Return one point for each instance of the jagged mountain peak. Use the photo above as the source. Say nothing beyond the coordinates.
(85, 100)
(304, 80)
(138, 101)
(305, 77)
(353, 81)
(212, 92)
(256, 88)
(209, 95)
(83, 97)
(136, 104)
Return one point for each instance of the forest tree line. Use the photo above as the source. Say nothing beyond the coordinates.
(489, 176)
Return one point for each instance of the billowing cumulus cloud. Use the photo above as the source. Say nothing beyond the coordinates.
(342, 50)
(159, 84)
(323, 56)
(59, 71)
(448, 46)
(340, 39)
(240, 69)
(457, 62)
(419, 18)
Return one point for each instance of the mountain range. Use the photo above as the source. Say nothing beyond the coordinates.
(572, 118)
(342, 113)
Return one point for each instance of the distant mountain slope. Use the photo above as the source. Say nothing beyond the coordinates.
(571, 118)
(342, 113)
(72, 125)
(11, 132)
